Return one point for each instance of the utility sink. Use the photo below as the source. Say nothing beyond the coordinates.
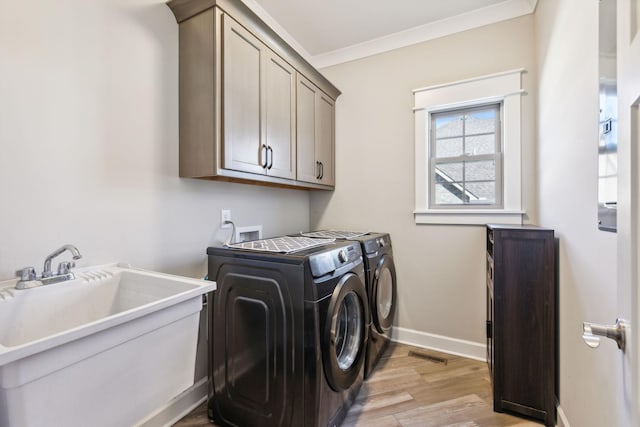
(105, 349)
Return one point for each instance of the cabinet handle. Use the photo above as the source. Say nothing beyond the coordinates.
(270, 150)
(321, 170)
(263, 156)
(317, 169)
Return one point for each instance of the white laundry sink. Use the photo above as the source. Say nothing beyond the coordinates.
(105, 349)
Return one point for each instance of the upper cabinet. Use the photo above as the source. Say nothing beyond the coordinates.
(251, 108)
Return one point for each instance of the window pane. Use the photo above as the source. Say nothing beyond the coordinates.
(485, 144)
(448, 147)
(449, 172)
(448, 124)
(482, 192)
(480, 121)
(484, 170)
(449, 193)
(463, 166)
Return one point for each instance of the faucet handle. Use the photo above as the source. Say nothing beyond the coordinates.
(65, 266)
(26, 274)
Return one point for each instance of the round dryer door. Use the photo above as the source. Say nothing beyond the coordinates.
(345, 332)
(383, 294)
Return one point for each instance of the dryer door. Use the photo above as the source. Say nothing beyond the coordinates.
(345, 332)
(383, 294)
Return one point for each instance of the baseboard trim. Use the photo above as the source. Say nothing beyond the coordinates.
(470, 349)
(178, 407)
(562, 420)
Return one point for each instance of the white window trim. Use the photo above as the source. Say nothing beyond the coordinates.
(502, 87)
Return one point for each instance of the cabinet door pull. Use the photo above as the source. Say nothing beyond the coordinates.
(317, 169)
(321, 170)
(270, 150)
(263, 156)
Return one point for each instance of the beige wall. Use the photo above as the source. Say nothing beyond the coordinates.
(89, 143)
(567, 50)
(440, 268)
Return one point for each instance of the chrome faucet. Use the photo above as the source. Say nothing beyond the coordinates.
(29, 278)
(46, 272)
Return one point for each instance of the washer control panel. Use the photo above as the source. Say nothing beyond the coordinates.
(335, 259)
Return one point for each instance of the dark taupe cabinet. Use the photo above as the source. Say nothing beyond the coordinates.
(521, 320)
(242, 115)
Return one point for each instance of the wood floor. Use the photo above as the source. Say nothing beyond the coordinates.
(417, 387)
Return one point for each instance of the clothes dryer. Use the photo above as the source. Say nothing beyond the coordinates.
(380, 273)
(288, 334)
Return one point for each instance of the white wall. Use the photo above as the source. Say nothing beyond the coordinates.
(440, 269)
(89, 143)
(567, 50)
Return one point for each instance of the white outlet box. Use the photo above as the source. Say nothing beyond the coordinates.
(225, 215)
(252, 232)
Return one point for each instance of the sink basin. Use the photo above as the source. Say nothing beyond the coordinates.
(115, 341)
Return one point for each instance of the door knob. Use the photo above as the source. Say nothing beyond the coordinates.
(591, 333)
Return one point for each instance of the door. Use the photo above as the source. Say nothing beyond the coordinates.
(325, 132)
(628, 52)
(308, 169)
(628, 261)
(280, 117)
(345, 332)
(383, 294)
(315, 133)
(242, 59)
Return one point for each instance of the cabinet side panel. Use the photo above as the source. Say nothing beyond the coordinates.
(197, 94)
(526, 319)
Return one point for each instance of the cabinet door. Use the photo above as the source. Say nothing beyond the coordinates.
(307, 168)
(280, 117)
(242, 57)
(325, 137)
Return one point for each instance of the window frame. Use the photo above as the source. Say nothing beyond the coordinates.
(496, 156)
(505, 88)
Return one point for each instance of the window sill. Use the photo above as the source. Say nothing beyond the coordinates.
(467, 216)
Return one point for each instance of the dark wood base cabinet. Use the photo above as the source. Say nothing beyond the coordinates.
(521, 343)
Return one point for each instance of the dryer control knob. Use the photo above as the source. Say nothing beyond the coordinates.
(342, 255)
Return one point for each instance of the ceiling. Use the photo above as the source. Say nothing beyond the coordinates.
(334, 31)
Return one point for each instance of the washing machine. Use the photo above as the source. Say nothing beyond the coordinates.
(380, 273)
(288, 332)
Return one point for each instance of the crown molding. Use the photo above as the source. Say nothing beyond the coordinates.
(533, 4)
(488, 15)
(503, 11)
(275, 26)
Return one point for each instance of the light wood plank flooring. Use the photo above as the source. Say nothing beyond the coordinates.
(417, 387)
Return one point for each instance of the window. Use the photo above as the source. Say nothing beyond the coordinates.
(465, 167)
(467, 139)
